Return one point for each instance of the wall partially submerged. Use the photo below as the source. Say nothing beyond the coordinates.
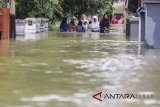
(31, 25)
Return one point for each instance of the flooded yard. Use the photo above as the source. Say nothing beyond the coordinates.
(66, 70)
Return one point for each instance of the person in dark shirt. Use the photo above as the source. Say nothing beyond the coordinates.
(104, 24)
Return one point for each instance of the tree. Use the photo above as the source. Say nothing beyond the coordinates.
(3, 3)
(38, 8)
(54, 9)
(87, 6)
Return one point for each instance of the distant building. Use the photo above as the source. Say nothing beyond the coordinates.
(119, 8)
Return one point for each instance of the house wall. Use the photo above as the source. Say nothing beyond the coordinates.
(152, 34)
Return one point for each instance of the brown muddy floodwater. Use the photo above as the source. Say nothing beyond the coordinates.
(65, 70)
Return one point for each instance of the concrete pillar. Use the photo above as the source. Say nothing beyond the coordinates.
(134, 29)
(4, 23)
(143, 27)
(152, 29)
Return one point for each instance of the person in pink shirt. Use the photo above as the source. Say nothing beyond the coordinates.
(114, 20)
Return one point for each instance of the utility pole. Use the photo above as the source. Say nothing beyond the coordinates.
(12, 19)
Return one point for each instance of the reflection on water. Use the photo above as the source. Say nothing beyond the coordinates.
(31, 36)
(4, 50)
(65, 70)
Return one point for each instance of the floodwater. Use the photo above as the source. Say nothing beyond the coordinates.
(66, 70)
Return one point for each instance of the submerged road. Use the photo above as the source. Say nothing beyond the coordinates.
(67, 69)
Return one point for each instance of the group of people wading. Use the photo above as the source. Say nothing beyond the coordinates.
(83, 24)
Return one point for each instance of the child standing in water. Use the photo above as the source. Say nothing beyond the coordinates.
(85, 26)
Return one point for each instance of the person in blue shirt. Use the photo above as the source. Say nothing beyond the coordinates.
(79, 27)
(64, 24)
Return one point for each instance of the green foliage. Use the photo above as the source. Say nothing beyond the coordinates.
(2, 4)
(55, 9)
(87, 6)
(39, 8)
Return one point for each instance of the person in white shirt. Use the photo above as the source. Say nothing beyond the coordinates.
(85, 22)
(95, 24)
(121, 20)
